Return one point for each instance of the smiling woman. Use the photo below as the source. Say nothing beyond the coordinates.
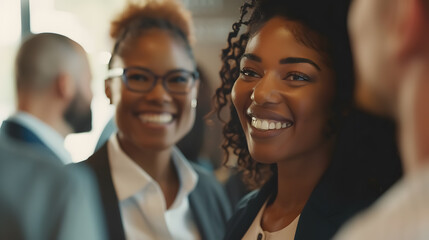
(285, 87)
(288, 81)
(149, 189)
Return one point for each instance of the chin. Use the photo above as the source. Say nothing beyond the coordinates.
(264, 158)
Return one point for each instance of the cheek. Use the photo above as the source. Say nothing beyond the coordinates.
(240, 94)
(188, 112)
(123, 101)
(314, 112)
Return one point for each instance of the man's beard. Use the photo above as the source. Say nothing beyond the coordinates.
(78, 116)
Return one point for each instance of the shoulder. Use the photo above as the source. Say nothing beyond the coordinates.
(404, 206)
(97, 161)
(244, 202)
(245, 212)
(56, 194)
(203, 174)
(208, 184)
(209, 192)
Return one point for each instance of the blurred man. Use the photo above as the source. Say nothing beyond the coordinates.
(54, 94)
(40, 199)
(390, 39)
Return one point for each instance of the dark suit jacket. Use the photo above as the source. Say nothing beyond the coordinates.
(20, 133)
(365, 164)
(208, 202)
(323, 214)
(40, 199)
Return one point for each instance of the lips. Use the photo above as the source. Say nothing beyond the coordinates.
(266, 120)
(156, 118)
(266, 124)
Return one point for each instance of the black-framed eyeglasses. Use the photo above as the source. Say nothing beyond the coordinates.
(140, 79)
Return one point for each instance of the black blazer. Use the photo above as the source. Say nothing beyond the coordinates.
(22, 134)
(208, 202)
(365, 164)
(323, 214)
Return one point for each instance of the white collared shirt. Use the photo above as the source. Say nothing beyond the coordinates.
(255, 231)
(142, 203)
(51, 138)
(402, 213)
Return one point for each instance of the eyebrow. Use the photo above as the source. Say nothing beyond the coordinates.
(291, 60)
(252, 57)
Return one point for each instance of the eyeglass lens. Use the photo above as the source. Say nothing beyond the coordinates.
(144, 80)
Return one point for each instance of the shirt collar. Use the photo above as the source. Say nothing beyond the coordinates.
(187, 176)
(129, 178)
(51, 138)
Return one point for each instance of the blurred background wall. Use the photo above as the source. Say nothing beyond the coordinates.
(87, 22)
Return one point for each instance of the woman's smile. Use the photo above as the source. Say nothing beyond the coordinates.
(266, 124)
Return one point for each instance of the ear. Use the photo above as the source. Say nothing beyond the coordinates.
(64, 86)
(108, 89)
(411, 27)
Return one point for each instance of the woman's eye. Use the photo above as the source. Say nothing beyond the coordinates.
(247, 73)
(138, 78)
(178, 79)
(295, 76)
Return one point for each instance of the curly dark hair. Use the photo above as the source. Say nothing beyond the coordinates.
(323, 27)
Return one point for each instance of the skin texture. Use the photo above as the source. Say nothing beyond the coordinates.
(297, 93)
(389, 41)
(150, 144)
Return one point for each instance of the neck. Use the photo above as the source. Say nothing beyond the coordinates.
(298, 177)
(157, 163)
(413, 117)
(51, 116)
(296, 180)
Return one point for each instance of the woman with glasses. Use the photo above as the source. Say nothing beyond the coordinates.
(149, 189)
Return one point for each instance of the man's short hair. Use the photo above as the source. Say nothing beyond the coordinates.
(42, 57)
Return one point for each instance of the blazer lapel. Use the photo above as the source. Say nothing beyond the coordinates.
(99, 163)
(247, 210)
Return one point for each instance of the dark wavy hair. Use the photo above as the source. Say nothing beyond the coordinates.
(323, 27)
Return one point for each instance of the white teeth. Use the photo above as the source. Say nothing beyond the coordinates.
(258, 124)
(162, 118)
(263, 124)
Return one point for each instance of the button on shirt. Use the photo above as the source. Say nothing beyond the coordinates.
(142, 203)
(255, 232)
(51, 138)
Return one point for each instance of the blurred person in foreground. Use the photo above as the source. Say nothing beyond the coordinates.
(149, 189)
(53, 94)
(390, 39)
(41, 200)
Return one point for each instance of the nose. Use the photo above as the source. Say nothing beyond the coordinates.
(158, 94)
(266, 90)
